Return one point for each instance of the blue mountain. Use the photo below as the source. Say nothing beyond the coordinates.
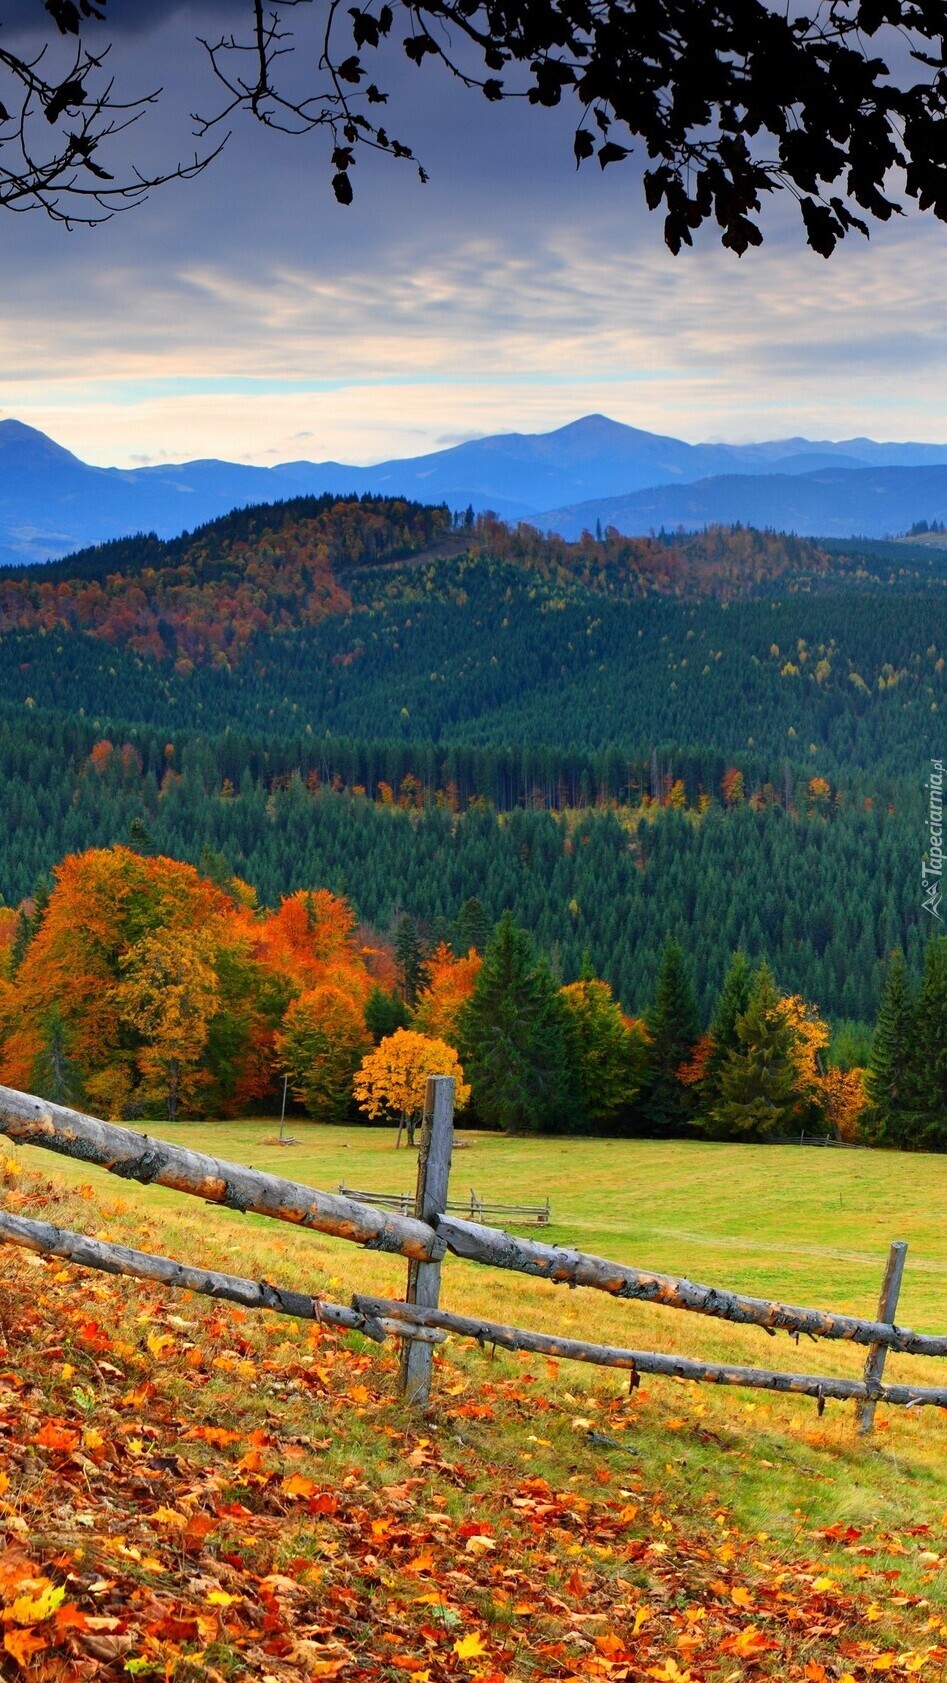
(51, 502)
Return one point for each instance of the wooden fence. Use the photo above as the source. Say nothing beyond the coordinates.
(425, 1238)
(476, 1207)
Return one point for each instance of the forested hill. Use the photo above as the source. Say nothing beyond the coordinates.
(286, 567)
(724, 737)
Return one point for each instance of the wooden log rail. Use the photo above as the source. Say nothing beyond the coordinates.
(497, 1249)
(44, 1239)
(472, 1206)
(647, 1361)
(29, 1121)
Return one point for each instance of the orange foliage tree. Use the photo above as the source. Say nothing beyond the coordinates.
(450, 986)
(149, 982)
(321, 1045)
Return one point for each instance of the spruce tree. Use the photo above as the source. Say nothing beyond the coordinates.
(411, 956)
(732, 1002)
(759, 1082)
(674, 1029)
(888, 1079)
(926, 1120)
(473, 930)
(384, 1012)
(731, 1005)
(513, 1038)
(607, 1054)
(55, 1074)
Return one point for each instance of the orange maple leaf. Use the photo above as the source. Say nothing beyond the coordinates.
(23, 1645)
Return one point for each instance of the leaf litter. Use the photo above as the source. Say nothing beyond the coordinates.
(189, 1493)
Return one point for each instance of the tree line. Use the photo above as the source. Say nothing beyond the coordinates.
(138, 984)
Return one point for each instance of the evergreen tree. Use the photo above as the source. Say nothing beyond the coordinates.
(473, 930)
(674, 1029)
(926, 1120)
(55, 1075)
(732, 1003)
(21, 940)
(410, 956)
(759, 1083)
(513, 1038)
(888, 1080)
(607, 1054)
(384, 1013)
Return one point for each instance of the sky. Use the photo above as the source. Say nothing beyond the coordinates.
(246, 315)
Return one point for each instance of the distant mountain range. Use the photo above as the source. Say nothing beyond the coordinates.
(594, 469)
(833, 502)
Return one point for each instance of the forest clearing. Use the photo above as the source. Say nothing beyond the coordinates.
(225, 1494)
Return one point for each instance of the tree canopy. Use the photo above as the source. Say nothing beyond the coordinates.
(721, 104)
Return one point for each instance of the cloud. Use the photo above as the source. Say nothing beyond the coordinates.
(246, 315)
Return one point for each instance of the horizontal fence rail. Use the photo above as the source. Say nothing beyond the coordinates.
(644, 1361)
(44, 1239)
(474, 1206)
(425, 1238)
(496, 1249)
(30, 1121)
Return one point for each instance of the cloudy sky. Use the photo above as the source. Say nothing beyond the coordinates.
(246, 315)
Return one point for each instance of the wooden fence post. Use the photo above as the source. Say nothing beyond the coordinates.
(424, 1279)
(887, 1306)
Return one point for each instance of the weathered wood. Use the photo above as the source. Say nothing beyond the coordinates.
(647, 1361)
(887, 1308)
(496, 1249)
(30, 1121)
(46, 1240)
(424, 1278)
(472, 1206)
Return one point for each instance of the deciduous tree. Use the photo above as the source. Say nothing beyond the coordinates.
(168, 996)
(393, 1078)
(321, 1045)
(841, 106)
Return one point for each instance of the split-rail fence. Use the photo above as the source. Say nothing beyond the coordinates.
(425, 1238)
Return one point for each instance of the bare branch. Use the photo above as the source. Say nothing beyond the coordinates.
(58, 126)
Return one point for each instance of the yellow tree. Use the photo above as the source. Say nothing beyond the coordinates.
(168, 996)
(845, 1101)
(394, 1076)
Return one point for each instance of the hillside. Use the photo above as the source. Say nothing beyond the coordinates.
(600, 736)
(285, 568)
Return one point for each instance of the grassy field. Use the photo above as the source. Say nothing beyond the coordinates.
(806, 1226)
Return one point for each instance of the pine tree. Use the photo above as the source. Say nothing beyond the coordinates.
(513, 1038)
(410, 957)
(926, 1121)
(674, 1029)
(473, 930)
(888, 1079)
(385, 1012)
(55, 1075)
(759, 1083)
(732, 1002)
(607, 1053)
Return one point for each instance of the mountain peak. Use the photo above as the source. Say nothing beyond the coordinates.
(29, 443)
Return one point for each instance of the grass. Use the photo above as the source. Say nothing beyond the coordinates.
(805, 1226)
